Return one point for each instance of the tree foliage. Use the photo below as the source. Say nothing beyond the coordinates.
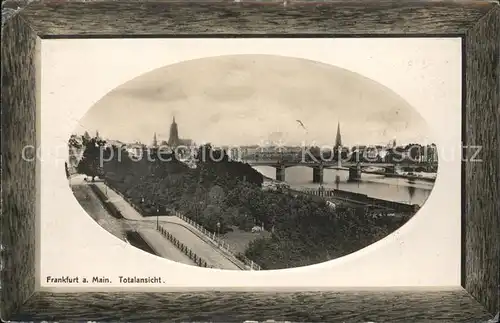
(92, 157)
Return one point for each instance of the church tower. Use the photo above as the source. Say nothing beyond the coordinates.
(173, 140)
(155, 141)
(338, 138)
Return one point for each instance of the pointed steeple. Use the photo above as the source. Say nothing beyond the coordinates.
(338, 138)
(155, 142)
(173, 140)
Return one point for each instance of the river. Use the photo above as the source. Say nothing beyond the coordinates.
(377, 186)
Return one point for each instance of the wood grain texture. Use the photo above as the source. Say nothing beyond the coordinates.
(482, 179)
(18, 125)
(477, 20)
(169, 18)
(431, 306)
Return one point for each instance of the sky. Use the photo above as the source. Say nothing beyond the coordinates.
(250, 99)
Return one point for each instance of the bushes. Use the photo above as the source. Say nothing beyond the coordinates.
(306, 231)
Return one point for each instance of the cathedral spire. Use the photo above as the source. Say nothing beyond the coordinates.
(173, 140)
(338, 138)
(155, 141)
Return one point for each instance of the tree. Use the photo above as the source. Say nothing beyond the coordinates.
(211, 216)
(91, 162)
(74, 147)
(66, 169)
(216, 195)
(86, 137)
(74, 143)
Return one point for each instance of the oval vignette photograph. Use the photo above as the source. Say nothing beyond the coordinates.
(251, 162)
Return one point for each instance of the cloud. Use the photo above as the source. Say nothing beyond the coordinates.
(244, 98)
(158, 92)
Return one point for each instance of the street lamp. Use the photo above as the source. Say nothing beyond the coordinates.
(157, 217)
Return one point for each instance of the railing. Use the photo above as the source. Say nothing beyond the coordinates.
(319, 192)
(220, 243)
(362, 198)
(179, 245)
(215, 239)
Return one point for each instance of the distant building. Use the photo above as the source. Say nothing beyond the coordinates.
(155, 141)
(135, 151)
(249, 151)
(338, 138)
(173, 140)
(430, 153)
(186, 142)
(371, 153)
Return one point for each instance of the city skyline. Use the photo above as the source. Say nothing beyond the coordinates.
(272, 138)
(249, 99)
(159, 141)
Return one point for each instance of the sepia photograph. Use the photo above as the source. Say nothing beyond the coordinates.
(251, 162)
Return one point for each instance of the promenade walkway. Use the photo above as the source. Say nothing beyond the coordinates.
(203, 249)
(123, 206)
(163, 247)
(177, 227)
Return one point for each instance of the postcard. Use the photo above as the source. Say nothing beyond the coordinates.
(250, 163)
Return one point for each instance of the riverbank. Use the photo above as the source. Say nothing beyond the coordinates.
(378, 186)
(346, 198)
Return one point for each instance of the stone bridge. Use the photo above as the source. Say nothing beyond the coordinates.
(355, 168)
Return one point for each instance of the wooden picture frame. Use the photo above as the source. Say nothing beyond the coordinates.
(476, 22)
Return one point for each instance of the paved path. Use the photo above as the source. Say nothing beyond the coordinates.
(123, 206)
(176, 226)
(147, 229)
(93, 206)
(203, 249)
(163, 247)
